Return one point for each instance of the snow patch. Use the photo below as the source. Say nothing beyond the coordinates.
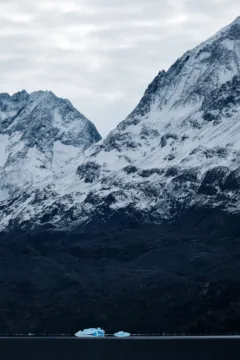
(62, 154)
(4, 140)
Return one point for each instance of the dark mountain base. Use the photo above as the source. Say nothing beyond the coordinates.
(179, 277)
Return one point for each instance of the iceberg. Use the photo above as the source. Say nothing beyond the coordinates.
(122, 334)
(95, 332)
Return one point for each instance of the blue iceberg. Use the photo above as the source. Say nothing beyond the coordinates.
(90, 332)
(122, 334)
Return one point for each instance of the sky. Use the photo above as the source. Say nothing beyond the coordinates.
(101, 54)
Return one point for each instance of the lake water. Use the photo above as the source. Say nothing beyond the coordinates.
(109, 348)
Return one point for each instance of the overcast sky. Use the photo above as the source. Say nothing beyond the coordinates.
(100, 54)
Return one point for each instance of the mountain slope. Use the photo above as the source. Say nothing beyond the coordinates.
(39, 134)
(186, 125)
(179, 148)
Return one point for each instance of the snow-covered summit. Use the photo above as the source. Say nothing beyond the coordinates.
(39, 133)
(195, 74)
(179, 148)
(175, 108)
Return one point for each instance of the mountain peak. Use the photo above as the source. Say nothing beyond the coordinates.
(199, 71)
(21, 93)
(39, 134)
(227, 30)
(230, 32)
(42, 94)
(234, 29)
(236, 21)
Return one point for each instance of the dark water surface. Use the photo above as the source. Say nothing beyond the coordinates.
(109, 348)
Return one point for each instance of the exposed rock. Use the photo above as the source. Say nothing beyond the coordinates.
(232, 181)
(90, 171)
(214, 180)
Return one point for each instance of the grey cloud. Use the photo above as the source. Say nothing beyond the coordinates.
(101, 54)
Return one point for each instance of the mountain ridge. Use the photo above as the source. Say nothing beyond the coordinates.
(141, 229)
(166, 146)
(160, 157)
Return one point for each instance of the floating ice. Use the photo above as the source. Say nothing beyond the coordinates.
(122, 334)
(90, 332)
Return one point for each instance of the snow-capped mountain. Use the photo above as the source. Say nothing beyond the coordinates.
(179, 148)
(39, 134)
